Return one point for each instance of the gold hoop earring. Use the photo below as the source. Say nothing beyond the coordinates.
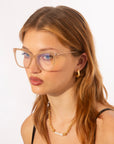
(78, 74)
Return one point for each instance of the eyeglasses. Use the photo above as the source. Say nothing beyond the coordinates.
(48, 61)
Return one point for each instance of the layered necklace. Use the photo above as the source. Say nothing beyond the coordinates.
(54, 130)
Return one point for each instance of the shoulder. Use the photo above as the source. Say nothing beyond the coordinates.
(26, 129)
(106, 118)
(105, 127)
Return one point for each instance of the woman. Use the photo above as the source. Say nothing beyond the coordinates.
(59, 58)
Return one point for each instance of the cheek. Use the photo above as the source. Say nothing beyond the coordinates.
(27, 72)
(54, 82)
(60, 78)
(57, 83)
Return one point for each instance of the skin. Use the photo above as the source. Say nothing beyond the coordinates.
(63, 79)
(59, 87)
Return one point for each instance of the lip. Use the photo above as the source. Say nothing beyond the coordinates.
(35, 81)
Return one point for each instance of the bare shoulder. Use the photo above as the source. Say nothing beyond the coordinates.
(107, 115)
(105, 127)
(26, 129)
(107, 118)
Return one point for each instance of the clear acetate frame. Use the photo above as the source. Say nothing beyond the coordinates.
(55, 62)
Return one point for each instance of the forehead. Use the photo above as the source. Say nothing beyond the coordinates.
(36, 41)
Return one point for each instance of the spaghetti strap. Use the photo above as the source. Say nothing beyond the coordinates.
(103, 111)
(33, 134)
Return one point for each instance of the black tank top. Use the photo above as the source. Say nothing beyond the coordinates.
(34, 129)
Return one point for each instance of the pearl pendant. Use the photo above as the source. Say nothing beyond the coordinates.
(60, 134)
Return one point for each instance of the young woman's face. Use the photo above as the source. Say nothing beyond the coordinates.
(58, 80)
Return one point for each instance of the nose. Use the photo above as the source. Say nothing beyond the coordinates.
(34, 67)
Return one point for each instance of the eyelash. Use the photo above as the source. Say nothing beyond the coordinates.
(44, 56)
(25, 54)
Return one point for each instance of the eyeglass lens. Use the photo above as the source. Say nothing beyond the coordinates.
(47, 61)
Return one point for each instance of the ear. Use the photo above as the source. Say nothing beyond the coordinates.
(82, 60)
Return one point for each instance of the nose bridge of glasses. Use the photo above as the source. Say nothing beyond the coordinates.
(34, 65)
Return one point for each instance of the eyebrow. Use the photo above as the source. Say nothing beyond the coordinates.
(43, 49)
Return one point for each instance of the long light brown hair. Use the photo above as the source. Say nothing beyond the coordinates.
(72, 30)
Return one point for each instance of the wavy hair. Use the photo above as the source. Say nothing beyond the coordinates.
(73, 31)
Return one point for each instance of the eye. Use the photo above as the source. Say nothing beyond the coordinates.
(46, 57)
(26, 55)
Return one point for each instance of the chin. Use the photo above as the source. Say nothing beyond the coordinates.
(37, 90)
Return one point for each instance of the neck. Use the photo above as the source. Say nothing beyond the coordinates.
(63, 107)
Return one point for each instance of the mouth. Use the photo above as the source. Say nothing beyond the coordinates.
(35, 81)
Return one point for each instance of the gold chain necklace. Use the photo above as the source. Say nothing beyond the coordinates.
(54, 130)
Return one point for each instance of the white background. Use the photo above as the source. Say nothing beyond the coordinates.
(16, 98)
